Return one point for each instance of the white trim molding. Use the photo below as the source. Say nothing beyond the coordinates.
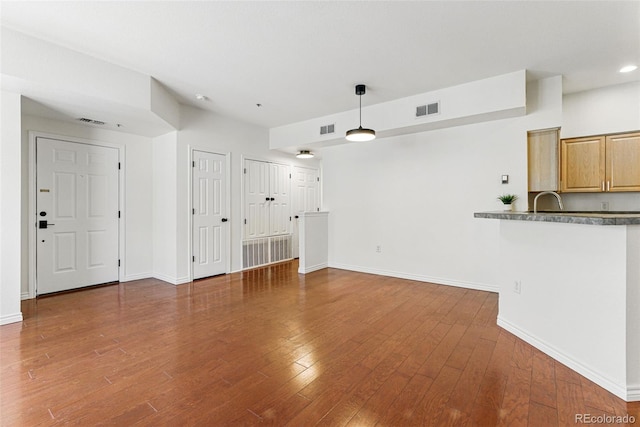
(603, 381)
(11, 318)
(418, 277)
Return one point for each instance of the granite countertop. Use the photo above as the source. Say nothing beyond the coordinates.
(589, 218)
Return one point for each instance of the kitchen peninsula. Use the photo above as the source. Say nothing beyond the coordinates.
(570, 286)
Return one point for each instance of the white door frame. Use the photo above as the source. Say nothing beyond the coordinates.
(32, 217)
(227, 178)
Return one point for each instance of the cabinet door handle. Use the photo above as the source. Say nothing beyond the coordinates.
(602, 185)
(608, 185)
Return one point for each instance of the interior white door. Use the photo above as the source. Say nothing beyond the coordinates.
(279, 200)
(77, 215)
(210, 222)
(257, 199)
(306, 198)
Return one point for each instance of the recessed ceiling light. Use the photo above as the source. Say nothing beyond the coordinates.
(628, 68)
(201, 97)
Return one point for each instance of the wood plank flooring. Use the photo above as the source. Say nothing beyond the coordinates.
(272, 347)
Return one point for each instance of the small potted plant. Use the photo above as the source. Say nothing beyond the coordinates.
(507, 200)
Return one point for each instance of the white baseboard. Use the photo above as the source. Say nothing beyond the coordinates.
(619, 390)
(312, 268)
(10, 318)
(418, 277)
(633, 393)
(171, 279)
(138, 276)
(26, 295)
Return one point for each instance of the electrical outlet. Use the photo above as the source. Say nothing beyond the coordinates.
(379, 249)
(604, 206)
(517, 286)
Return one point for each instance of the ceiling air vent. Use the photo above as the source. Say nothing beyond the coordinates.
(428, 109)
(327, 129)
(93, 122)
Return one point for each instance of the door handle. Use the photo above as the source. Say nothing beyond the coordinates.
(267, 199)
(43, 224)
(224, 220)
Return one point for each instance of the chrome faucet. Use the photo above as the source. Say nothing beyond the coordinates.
(535, 200)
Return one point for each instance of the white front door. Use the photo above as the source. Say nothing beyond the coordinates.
(77, 215)
(210, 222)
(306, 198)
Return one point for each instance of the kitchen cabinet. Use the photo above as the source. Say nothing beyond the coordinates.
(623, 162)
(603, 163)
(542, 158)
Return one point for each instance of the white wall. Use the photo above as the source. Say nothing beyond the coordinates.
(415, 196)
(573, 295)
(606, 110)
(633, 311)
(164, 210)
(136, 212)
(10, 208)
(205, 131)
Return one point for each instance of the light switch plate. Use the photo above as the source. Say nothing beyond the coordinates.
(505, 179)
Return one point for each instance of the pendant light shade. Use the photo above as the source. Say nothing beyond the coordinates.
(360, 134)
(304, 154)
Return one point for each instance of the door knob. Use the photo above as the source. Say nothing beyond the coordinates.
(224, 220)
(43, 224)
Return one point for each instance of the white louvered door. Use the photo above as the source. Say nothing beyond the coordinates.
(267, 213)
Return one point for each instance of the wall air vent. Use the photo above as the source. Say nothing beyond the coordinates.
(327, 129)
(428, 109)
(91, 121)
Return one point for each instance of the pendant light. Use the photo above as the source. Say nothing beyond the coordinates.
(361, 134)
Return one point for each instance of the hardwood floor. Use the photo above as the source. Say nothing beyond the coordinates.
(272, 347)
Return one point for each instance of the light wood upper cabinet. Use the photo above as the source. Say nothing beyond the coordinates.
(600, 163)
(623, 162)
(542, 154)
(582, 164)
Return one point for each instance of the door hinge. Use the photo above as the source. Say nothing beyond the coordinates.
(245, 170)
(193, 164)
(245, 220)
(118, 165)
(317, 209)
(193, 211)
(118, 263)
(193, 258)
(289, 176)
(289, 218)
(118, 214)
(318, 179)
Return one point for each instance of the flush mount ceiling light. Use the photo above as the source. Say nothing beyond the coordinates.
(360, 134)
(201, 97)
(304, 154)
(628, 68)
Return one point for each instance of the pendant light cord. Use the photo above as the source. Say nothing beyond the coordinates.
(360, 96)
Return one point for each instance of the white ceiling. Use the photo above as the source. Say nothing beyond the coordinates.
(300, 60)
